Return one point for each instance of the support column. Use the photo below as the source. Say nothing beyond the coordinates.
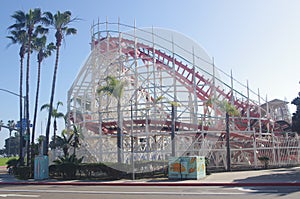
(228, 156)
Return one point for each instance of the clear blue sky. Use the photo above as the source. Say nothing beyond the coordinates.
(258, 40)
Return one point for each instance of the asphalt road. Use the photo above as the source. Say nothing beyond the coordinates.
(273, 183)
(153, 192)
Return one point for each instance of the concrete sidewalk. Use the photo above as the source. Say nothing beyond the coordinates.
(271, 177)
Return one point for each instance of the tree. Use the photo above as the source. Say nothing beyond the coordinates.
(55, 115)
(76, 132)
(230, 110)
(12, 145)
(63, 142)
(296, 115)
(174, 105)
(115, 88)
(68, 138)
(28, 22)
(43, 51)
(19, 36)
(11, 126)
(60, 22)
(33, 18)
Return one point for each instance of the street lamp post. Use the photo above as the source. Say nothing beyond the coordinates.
(21, 125)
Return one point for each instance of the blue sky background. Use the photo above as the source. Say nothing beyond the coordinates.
(258, 40)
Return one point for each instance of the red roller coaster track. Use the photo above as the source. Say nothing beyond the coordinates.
(185, 75)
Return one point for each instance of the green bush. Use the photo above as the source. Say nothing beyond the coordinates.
(12, 163)
(22, 172)
(66, 165)
(68, 170)
(90, 169)
(265, 160)
(54, 170)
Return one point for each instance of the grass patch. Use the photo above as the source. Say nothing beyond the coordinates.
(3, 160)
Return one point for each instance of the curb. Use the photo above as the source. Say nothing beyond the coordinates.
(225, 184)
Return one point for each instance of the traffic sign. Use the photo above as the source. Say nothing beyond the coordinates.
(24, 124)
(26, 137)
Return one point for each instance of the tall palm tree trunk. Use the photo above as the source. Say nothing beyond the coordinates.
(21, 158)
(27, 99)
(9, 144)
(54, 133)
(35, 109)
(51, 99)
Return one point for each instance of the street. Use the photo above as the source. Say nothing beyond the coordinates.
(273, 183)
(146, 192)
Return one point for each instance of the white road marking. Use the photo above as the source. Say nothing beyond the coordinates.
(19, 195)
(129, 192)
(257, 190)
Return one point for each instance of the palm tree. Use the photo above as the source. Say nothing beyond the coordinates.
(28, 22)
(66, 140)
(296, 115)
(230, 110)
(39, 44)
(63, 142)
(174, 105)
(115, 88)
(55, 115)
(19, 36)
(60, 21)
(33, 18)
(11, 126)
(75, 143)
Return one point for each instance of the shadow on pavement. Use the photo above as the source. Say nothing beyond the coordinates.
(6, 177)
(278, 175)
(280, 178)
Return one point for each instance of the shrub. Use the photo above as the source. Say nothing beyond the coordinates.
(68, 169)
(12, 163)
(67, 165)
(265, 160)
(22, 172)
